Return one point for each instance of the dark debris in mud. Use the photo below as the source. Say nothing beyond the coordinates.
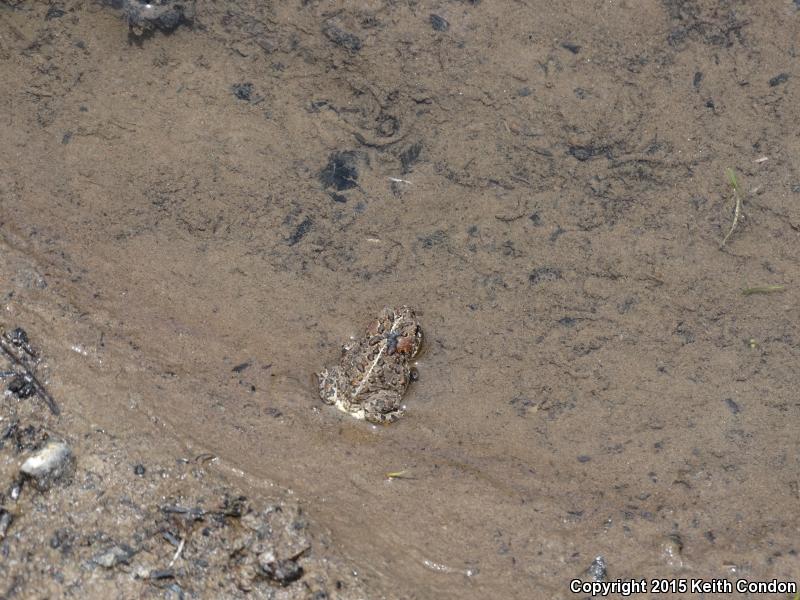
(21, 366)
(340, 37)
(341, 172)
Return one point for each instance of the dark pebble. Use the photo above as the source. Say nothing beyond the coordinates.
(5, 522)
(19, 337)
(583, 458)
(299, 233)
(162, 574)
(574, 48)
(61, 539)
(21, 387)
(241, 367)
(283, 572)
(439, 23)
(697, 79)
(583, 153)
(733, 406)
(139, 470)
(340, 198)
(54, 12)
(243, 91)
(779, 79)
(67, 137)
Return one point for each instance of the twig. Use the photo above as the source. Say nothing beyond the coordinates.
(177, 553)
(29, 376)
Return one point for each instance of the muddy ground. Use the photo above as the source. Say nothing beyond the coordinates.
(193, 221)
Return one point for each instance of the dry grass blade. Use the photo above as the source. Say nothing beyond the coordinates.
(738, 207)
(763, 289)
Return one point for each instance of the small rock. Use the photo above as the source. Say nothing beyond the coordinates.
(19, 337)
(779, 79)
(597, 571)
(144, 16)
(733, 406)
(54, 12)
(243, 91)
(21, 387)
(300, 231)
(5, 522)
(282, 572)
(49, 464)
(439, 23)
(113, 556)
(139, 470)
(671, 550)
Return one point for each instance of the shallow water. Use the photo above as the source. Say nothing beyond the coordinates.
(595, 383)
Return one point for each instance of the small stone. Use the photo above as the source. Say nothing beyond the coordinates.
(733, 406)
(19, 337)
(21, 387)
(282, 572)
(779, 79)
(439, 23)
(243, 91)
(139, 470)
(54, 12)
(597, 571)
(113, 556)
(144, 17)
(51, 463)
(5, 522)
(671, 550)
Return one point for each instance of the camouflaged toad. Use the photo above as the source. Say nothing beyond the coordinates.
(375, 369)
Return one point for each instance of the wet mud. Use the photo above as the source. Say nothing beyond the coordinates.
(196, 211)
